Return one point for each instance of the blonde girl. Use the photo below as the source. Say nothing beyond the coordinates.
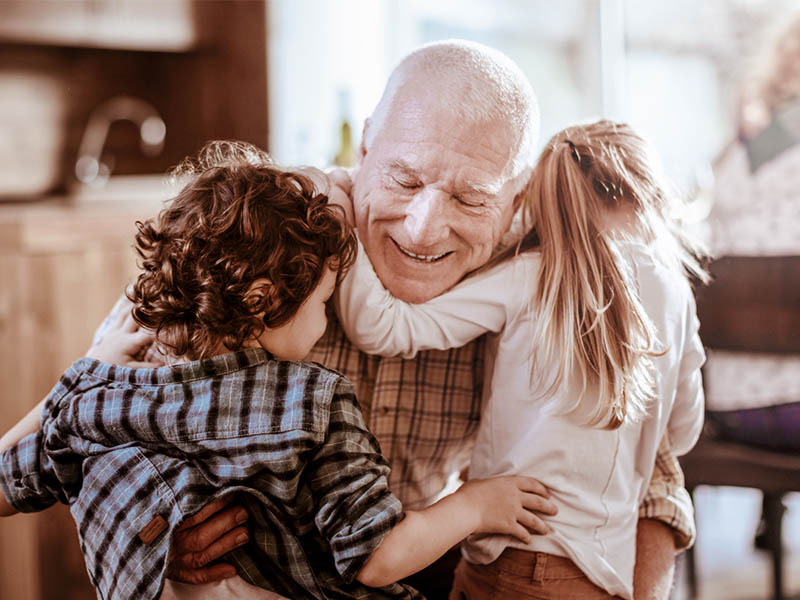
(593, 356)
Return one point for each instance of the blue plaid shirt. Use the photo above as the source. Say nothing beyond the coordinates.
(134, 452)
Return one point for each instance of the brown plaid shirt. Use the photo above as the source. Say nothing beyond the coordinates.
(425, 412)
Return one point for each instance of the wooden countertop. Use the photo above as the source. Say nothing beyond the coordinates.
(59, 224)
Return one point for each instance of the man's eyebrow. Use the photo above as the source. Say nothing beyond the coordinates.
(484, 189)
(401, 165)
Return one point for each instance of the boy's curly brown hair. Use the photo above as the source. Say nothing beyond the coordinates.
(239, 219)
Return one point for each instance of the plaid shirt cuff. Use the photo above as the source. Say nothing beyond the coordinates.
(20, 479)
(667, 499)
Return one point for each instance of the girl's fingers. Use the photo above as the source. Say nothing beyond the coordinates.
(120, 311)
(139, 339)
(129, 324)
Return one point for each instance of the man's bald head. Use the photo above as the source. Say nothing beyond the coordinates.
(475, 83)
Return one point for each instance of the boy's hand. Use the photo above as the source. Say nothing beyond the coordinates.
(123, 340)
(509, 505)
(203, 538)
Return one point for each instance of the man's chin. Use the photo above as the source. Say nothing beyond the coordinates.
(416, 292)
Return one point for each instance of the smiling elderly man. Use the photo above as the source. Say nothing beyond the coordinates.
(443, 160)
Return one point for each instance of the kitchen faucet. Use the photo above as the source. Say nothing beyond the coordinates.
(89, 168)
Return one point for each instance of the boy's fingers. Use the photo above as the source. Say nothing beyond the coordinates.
(209, 574)
(538, 504)
(533, 523)
(205, 512)
(528, 484)
(522, 534)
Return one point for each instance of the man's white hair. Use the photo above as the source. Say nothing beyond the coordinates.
(479, 84)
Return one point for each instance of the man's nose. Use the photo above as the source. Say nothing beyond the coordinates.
(426, 218)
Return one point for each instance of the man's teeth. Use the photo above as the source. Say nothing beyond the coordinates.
(426, 258)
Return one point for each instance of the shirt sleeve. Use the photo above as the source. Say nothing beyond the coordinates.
(28, 477)
(378, 323)
(348, 477)
(667, 500)
(686, 418)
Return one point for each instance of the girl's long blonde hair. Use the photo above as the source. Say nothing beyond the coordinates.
(589, 319)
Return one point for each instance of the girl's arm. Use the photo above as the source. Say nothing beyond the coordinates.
(503, 505)
(378, 323)
(686, 418)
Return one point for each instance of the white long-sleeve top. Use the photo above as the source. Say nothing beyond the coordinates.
(597, 478)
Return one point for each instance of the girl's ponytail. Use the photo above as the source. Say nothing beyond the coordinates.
(589, 319)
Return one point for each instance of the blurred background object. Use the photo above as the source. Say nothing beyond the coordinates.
(298, 77)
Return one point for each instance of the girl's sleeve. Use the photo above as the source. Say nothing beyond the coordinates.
(378, 323)
(686, 418)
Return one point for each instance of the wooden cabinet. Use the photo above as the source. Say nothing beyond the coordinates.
(62, 267)
(163, 25)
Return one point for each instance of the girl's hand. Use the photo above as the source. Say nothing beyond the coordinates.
(510, 505)
(341, 188)
(123, 340)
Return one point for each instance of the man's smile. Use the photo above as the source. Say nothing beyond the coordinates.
(429, 258)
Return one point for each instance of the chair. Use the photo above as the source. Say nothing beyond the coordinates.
(751, 305)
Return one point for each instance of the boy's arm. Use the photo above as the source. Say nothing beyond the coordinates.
(26, 425)
(120, 341)
(504, 505)
(363, 522)
(378, 323)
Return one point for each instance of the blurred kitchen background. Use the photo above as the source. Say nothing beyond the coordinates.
(98, 98)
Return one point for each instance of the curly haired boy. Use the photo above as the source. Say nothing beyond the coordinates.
(236, 272)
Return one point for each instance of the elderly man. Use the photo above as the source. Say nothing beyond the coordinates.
(443, 161)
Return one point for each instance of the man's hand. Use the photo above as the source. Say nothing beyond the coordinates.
(655, 560)
(123, 340)
(203, 538)
(6, 510)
